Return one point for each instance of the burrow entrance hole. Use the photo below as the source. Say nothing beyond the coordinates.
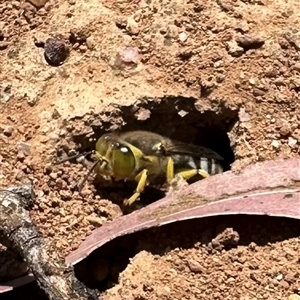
(174, 117)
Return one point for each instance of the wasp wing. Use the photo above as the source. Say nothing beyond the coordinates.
(176, 147)
(145, 140)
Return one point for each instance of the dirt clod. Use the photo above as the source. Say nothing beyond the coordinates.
(8, 130)
(248, 41)
(234, 50)
(56, 51)
(228, 237)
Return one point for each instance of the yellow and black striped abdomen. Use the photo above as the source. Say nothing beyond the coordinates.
(186, 162)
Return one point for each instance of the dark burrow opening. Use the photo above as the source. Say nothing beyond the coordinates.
(101, 269)
(174, 117)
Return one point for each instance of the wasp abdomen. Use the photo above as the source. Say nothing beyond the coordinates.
(209, 165)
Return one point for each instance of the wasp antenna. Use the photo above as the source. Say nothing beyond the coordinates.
(80, 185)
(84, 154)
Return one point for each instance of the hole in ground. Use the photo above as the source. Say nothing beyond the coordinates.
(174, 117)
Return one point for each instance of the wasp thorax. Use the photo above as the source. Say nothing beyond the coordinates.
(158, 148)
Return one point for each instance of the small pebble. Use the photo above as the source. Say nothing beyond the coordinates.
(243, 115)
(53, 175)
(44, 139)
(56, 51)
(292, 142)
(183, 36)
(182, 113)
(252, 81)
(284, 284)
(55, 114)
(275, 144)
(53, 136)
(129, 55)
(55, 202)
(62, 133)
(7, 93)
(252, 246)
(8, 130)
(234, 49)
(96, 221)
(279, 277)
(90, 43)
(65, 195)
(19, 175)
(48, 167)
(32, 101)
(3, 45)
(24, 147)
(20, 156)
(195, 266)
(290, 278)
(285, 129)
(132, 26)
(250, 42)
(143, 114)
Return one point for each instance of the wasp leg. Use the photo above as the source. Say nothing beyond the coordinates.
(191, 173)
(142, 181)
(170, 170)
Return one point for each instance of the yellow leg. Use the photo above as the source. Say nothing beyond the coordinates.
(170, 170)
(142, 181)
(191, 173)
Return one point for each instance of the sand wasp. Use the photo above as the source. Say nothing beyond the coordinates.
(144, 156)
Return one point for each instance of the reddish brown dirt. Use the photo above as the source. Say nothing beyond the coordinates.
(226, 56)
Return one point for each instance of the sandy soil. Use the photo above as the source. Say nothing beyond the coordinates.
(227, 72)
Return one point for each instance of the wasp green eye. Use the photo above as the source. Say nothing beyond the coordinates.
(102, 145)
(123, 161)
